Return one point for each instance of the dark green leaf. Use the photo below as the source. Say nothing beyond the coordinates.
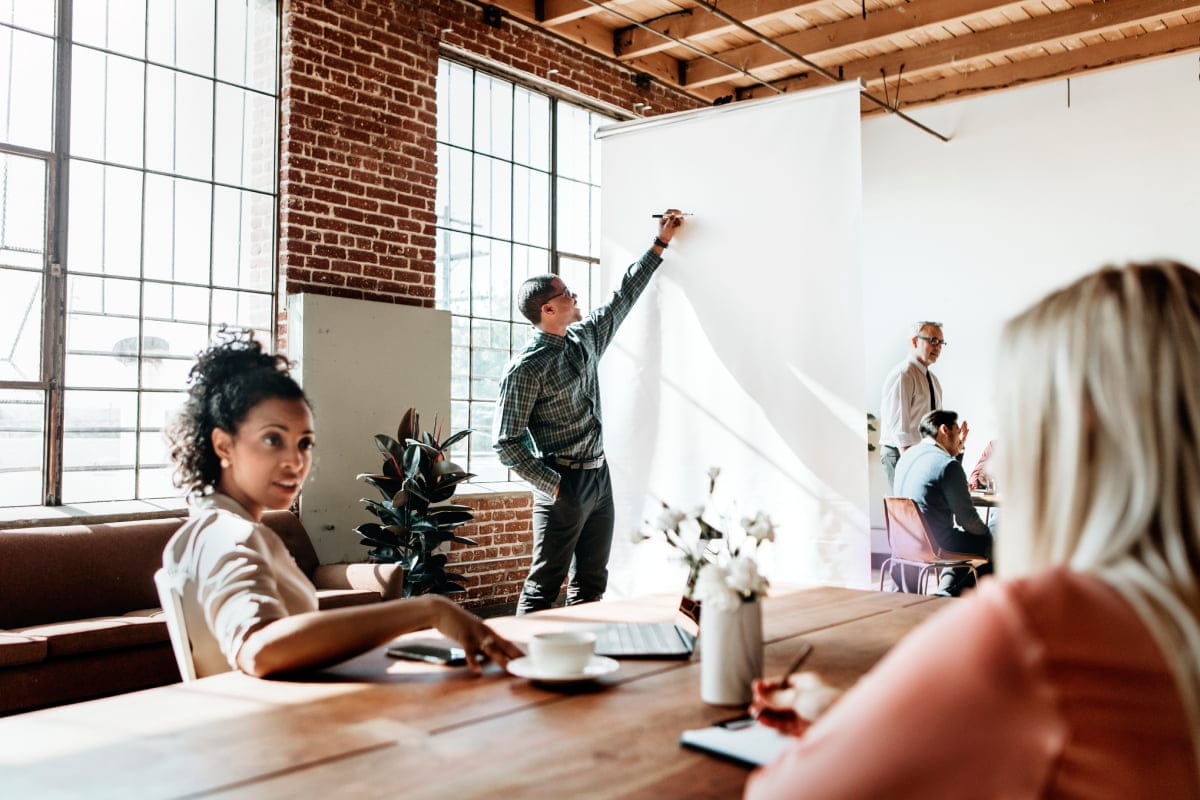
(386, 486)
(432, 452)
(449, 481)
(384, 444)
(446, 516)
(411, 461)
(368, 529)
(451, 507)
(436, 537)
(454, 439)
(440, 494)
(444, 467)
(416, 487)
(390, 447)
(410, 425)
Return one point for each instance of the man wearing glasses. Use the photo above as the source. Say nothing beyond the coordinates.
(548, 428)
(910, 391)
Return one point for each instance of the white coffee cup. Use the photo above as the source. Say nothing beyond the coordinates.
(564, 653)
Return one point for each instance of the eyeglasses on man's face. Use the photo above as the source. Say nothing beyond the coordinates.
(933, 341)
(564, 293)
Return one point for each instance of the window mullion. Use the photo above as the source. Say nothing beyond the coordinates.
(553, 204)
(55, 294)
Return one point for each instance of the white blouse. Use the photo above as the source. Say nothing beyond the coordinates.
(233, 575)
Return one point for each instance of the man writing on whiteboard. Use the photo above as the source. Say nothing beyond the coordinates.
(548, 428)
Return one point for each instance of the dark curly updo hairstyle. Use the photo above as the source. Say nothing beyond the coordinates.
(229, 378)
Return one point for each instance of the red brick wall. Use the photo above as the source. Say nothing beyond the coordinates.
(358, 172)
(359, 121)
(497, 566)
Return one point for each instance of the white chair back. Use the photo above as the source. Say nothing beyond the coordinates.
(172, 605)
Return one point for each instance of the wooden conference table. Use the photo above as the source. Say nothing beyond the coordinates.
(375, 727)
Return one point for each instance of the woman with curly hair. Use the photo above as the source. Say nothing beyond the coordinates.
(1077, 672)
(242, 445)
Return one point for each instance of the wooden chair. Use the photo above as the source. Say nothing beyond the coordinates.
(172, 605)
(913, 546)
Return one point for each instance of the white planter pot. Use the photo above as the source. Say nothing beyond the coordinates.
(731, 653)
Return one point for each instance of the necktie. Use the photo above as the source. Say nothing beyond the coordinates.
(932, 397)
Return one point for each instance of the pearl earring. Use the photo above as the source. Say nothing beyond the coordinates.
(224, 463)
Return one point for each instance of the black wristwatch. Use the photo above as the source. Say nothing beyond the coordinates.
(661, 243)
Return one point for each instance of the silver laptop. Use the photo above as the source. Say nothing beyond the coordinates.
(644, 640)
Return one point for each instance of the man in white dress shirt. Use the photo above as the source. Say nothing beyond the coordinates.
(910, 391)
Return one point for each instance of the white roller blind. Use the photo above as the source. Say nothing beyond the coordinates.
(746, 352)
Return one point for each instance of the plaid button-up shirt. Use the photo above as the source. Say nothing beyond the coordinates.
(549, 403)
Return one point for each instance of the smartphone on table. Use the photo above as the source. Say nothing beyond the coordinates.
(430, 653)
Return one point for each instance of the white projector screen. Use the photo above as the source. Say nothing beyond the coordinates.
(746, 352)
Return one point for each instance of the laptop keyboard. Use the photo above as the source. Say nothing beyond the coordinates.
(640, 639)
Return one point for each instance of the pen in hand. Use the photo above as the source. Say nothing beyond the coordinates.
(680, 214)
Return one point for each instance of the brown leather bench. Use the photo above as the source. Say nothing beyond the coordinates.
(80, 617)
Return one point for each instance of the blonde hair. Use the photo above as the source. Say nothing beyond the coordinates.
(1101, 439)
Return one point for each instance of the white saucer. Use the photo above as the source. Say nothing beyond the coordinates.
(596, 667)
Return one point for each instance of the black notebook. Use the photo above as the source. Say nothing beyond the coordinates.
(644, 640)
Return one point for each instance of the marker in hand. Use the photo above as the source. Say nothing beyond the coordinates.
(680, 214)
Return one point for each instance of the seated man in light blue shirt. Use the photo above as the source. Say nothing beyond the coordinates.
(930, 474)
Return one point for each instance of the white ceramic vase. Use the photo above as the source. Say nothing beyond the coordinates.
(731, 653)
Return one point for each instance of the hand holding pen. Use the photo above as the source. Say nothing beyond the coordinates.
(668, 222)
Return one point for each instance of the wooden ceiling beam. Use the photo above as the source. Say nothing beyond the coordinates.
(850, 32)
(1079, 21)
(557, 12)
(521, 9)
(994, 41)
(699, 24)
(593, 34)
(1056, 66)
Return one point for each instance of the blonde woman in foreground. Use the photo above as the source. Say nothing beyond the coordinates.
(1076, 674)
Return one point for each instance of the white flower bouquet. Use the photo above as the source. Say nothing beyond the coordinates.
(722, 570)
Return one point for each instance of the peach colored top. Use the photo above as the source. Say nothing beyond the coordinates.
(1048, 686)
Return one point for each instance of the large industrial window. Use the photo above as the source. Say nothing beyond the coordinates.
(518, 194)
(137, 213)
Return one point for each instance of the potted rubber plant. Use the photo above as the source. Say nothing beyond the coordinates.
(416, 521)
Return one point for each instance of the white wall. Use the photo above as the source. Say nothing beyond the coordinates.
(362, 365)
(1027, 196)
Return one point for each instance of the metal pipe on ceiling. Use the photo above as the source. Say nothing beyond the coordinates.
(682, 43)
(712, 9)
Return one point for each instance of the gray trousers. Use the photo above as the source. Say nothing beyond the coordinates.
(888, 456)
(572, 534)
